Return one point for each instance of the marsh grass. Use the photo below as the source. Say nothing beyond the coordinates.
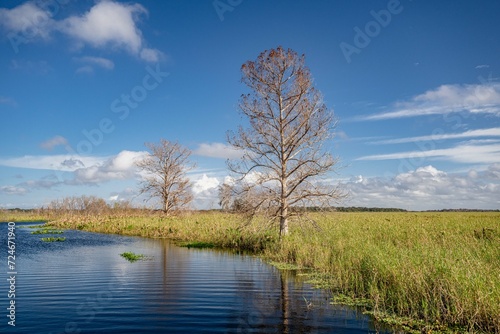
(197, 244)
(440, 268)
(47, 231)
(22, 216)
(422, 271)
(132, 257)
(52, 239)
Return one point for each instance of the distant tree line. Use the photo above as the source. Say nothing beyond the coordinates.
(366, 209)
(82, 205)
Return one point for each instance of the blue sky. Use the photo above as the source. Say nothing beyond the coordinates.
(415, 86)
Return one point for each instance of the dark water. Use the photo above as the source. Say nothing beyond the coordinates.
(83, 285)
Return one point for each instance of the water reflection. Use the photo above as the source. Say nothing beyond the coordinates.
(82, 285)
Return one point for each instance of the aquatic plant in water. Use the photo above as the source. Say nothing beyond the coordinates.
(52, 239)
(47, 231)
(132, 257)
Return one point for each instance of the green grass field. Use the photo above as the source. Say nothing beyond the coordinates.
(427, 271)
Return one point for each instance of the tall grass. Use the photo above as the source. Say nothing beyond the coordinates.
(440, 268)
(443, 268)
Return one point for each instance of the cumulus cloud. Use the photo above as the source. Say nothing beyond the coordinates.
(428, 188)
(477, 98)
(108, 24)
(217, 150)
(27, 20)
(493, 172)
(111, 25)
(119, 167)
(205, 184)
(205, 190)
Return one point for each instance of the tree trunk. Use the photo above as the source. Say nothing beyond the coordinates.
(283, 220)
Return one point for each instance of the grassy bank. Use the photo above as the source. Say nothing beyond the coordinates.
(21, 216)
(440, 268)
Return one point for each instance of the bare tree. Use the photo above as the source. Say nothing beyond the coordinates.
(226, 197)
(166, 167)
(284, 155)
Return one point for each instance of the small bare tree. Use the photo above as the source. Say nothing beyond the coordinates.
(284, 154)
(226, 197)
(166, 167)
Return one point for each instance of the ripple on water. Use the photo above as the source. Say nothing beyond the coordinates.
(83, 284)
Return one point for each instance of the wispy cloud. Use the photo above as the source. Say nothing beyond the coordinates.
(478, 98)
(61, 162)
(53, 142)
(464, 153)
(217, 150)
(81, 170)
(482, 66)
(40, 67)
(96, 61)
(492, 132)
(13, 190)
(8, 101)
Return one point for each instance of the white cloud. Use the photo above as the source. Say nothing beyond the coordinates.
(482, 66)
(428, 188)
(477, 98)
(98, 61)
(464, 153)
(28, 20)
(13, 190)
(151, 55)
(87, 69)
(217, 150)
(52, 162)
(493, 172)
(110, 24)
(128, 194)
(492, 132)
(119, 167)
(46, 182)
(205, 184)
(107, 24)
(53, 142)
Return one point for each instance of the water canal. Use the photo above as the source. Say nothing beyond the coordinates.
(83, 285)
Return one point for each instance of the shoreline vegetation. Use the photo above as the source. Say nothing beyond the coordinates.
(417, 271)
